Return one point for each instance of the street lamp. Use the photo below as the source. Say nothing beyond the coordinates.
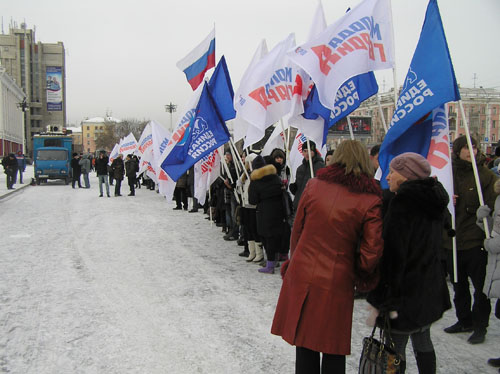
(171, 108)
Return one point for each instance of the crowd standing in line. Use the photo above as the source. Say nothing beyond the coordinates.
(337, 236)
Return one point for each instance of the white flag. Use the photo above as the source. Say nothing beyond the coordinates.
(161, 137)
(145, 141)
(114, 153)
(272, 89)
(206, 171)
(276, 140)
(359, 42)
(128, 145)
(439, 156)
(296, 156)
(311, 128)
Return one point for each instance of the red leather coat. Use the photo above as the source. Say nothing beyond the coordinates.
(336, 213)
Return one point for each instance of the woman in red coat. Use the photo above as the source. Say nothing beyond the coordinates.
(339, 210)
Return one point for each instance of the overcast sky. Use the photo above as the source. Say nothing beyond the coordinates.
(121, 54)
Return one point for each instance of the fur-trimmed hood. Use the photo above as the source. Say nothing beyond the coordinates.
(262, 172)
(359, 184)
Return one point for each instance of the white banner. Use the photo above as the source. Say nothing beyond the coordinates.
(128, 145)
(359, 42)
(206, 171)
(161, 137)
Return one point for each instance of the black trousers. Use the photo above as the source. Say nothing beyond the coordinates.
(272, 246)
(181, 199)
(471, 263)
(76, 178)
(309, 362)
(131, 183)
(118, 186)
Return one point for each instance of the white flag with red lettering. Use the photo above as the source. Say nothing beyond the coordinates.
(206, 171)
(271, 90)
(359, 42)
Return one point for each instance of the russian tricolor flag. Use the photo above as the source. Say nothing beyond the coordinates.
(199, 60)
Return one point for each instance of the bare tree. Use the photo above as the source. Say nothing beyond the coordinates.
(114, 131)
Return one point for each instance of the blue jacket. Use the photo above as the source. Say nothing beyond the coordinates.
(21, 162)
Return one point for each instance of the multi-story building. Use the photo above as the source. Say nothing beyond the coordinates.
(481, 107)
(39, 69)
(91, 128)
(11, 118)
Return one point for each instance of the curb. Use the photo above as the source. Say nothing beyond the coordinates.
(14, 191)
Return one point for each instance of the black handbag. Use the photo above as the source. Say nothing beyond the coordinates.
(378, 357)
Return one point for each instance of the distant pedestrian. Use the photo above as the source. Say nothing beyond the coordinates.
(118, 171)
(10, 169)
(131, 168)
(76, 170)
(85, 165)
(21, 165)
(101, 167)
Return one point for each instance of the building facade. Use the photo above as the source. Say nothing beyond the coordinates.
(39, 69)
(481, 107)
(11, 117)
(92, 128)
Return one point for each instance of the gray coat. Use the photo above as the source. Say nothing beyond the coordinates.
(492, 245)
(85, 164)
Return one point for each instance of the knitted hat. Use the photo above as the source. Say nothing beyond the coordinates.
(461, 142)
(411, 166)
(258, 162)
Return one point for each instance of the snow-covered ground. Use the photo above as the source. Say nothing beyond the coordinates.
(127, 285)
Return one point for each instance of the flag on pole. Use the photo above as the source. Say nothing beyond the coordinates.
(271, 90)
(205, 132)
(276, 140)
(430, 82)
(359, 42)
(114, 153)
(199, 60)
(349, 97)
(221, 89)
(145, 142)
(161, 137)
(128, 145)
(206, 171)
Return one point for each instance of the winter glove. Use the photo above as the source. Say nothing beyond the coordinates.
(482, 212)
(284, 267)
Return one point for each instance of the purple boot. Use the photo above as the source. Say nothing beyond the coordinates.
(269, 269)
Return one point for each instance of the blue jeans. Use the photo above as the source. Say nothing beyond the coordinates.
(86, 180)
(103, 179)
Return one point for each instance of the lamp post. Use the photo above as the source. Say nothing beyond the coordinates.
(171, 108)
(22, 106)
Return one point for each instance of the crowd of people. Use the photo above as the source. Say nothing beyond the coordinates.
(335, 235)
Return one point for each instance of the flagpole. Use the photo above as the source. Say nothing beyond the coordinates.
(381, 112)
(350, 127)
(209, 204)
(239, 157)
(287, 145)
(310, 157)
(474, 167)
(453, 223)
(226, 169)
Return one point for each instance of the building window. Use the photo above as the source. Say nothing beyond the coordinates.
(483, 110)
(494, 110)
(493, 137)
(461, 123)
(493, 124)
(88, 135)
(88, 128)
(88, 142)
(483, 124)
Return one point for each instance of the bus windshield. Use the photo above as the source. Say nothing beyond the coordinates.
(52, 155)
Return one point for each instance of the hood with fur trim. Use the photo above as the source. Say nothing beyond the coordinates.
(262, 172)
(359, 184)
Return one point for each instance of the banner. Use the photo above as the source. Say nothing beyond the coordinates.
(221, 89)
(276, 140)
(53, 75)
(359, 42)
(430, 82)
(114, 153)
(145, 142)
(161, 137)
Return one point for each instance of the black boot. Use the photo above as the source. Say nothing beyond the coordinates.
(426, 362)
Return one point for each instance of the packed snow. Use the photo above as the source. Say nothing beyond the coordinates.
(127, 285)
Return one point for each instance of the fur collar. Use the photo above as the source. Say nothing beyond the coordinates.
(262, 172)
(359, 184)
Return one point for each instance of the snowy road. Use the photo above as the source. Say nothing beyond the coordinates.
(126, 285)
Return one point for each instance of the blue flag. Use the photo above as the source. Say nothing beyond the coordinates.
(430, 82)
(221, 89)
(206, 132)
(349, 97)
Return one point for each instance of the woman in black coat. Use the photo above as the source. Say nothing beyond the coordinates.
(412, 287)
(266, 193)
(118, 168)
